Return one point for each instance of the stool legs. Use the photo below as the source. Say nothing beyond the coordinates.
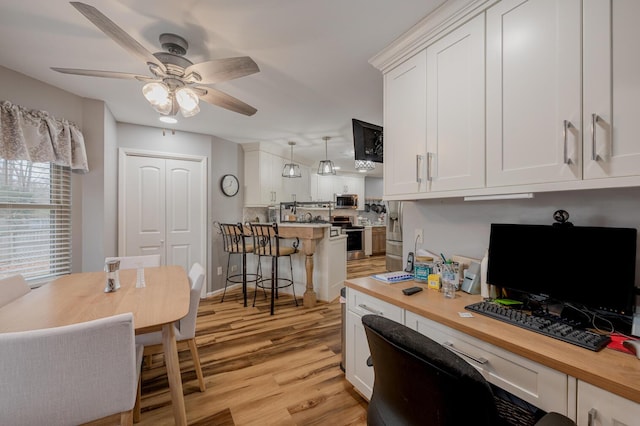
(275, 278)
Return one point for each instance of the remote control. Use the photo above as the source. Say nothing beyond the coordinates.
(412, 290)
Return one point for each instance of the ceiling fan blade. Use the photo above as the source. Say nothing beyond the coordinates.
(105, 74)
(117, 34)
(223, 100)
(218, 70)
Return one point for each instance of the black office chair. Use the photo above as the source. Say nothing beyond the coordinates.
(419, 382)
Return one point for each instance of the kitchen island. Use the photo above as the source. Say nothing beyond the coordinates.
(323, 266)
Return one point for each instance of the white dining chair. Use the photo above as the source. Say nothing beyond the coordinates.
(132, 262)
(71, 374)
(12, 287)
(185, 329)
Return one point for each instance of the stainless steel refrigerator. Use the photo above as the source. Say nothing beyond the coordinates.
(394, 236)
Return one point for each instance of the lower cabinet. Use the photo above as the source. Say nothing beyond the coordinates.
(378, 239)
(597, 407)
(357, 348)
(538, 385)
(535, 383)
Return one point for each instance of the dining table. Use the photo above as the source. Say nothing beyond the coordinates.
(80, 297)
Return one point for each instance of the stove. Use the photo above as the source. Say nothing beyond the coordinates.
(355, 236)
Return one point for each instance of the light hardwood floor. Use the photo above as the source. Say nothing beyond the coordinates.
(261, 369)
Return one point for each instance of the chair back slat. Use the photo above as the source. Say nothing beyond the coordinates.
(266, 241)
(233, 237)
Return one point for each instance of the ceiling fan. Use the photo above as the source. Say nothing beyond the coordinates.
(177, 83)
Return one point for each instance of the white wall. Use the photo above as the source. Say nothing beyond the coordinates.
(452, 226)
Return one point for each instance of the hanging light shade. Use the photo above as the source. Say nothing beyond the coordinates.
(365, 165)
(159, 97)
(291, 170)
(188, 102)
(326, 166)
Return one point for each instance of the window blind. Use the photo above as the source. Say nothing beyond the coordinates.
(35, 219)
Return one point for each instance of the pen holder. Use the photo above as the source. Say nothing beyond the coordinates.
(113, 276)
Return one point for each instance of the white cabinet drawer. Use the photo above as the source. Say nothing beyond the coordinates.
(539, 385)
(363, 304)
(604, 408)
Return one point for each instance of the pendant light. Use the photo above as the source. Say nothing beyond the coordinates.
(326, 166)
(291, 170)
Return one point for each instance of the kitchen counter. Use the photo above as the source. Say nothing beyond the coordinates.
(323, 265)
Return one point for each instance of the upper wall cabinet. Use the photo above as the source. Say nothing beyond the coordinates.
(405, 126)
(455, 109)
(533, 92)
(611, 88)
(434, 116)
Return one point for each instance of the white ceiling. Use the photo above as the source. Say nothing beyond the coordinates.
(313, 56)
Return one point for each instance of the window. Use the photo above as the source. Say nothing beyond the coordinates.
(35, 219)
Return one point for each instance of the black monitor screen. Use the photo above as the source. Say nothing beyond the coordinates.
(367, 141)
(592, 266)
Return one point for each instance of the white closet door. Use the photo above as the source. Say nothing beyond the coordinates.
(144, 206)
(162, 208)
(183, 212)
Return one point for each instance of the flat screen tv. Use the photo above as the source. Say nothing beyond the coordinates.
(583, 265)
(367, 141)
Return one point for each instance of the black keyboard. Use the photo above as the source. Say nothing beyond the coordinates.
(549, 325)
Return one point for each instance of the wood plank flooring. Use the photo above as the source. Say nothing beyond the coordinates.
(261, 369)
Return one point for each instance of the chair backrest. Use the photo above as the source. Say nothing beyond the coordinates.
(187, 325)
(266, 239)
(233, 237)
(11, 288)
(417, 381)
(68, 375)
(132, 262)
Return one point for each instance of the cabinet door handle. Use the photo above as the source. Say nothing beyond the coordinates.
(418, 178)
(368, 309)
(592, 417)
(478, 359)
(594, 120)
(565, 129)
(430, 156)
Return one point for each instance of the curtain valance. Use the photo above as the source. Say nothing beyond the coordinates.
(39, 137)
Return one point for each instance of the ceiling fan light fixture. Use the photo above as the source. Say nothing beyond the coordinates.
(188, 101)
(291, 170)
(326, 166)
(156, 93)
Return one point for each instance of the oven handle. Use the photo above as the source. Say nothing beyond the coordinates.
(353, 230)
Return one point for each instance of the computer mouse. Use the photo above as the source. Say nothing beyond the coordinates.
(633, 346)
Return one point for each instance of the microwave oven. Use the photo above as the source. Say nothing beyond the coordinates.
(346, 201)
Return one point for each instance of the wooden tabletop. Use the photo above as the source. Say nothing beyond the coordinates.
(80, 297)
(608, 369)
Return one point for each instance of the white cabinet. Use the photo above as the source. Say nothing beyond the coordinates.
(357, 351)
(611, 88)
(534, 92)
(324, 188)
(264, 184)
(434, 116)
(455, 109)
(597, 407)
(405, 126)
(297, 189)
(538, 385)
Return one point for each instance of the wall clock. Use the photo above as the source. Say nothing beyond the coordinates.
(229, 185)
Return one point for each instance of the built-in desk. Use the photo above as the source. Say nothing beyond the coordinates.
(576, 372)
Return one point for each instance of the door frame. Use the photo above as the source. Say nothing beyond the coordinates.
(123, 153)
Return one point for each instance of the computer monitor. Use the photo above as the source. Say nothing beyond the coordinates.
(585, 265)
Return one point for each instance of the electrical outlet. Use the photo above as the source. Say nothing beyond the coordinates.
(234, 268)
(219, 270)
(418, 236)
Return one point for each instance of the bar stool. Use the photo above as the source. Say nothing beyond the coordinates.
(234, 242)
(266, 242)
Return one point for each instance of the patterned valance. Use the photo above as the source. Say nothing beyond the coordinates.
(39, 137)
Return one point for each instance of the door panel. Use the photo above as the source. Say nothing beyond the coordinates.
(144, 206)
(184, 207)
